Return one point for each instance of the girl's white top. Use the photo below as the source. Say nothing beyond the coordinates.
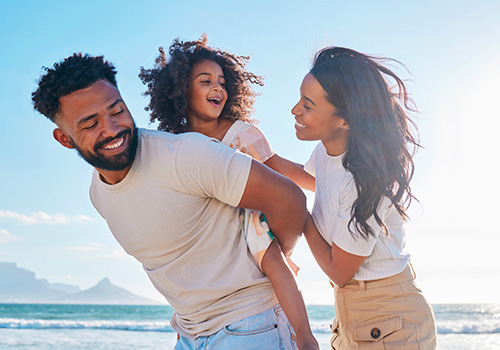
(335, 195)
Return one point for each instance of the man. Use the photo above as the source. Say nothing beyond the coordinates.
(170, 201)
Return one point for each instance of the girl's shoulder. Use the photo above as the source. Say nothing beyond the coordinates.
(242, 131)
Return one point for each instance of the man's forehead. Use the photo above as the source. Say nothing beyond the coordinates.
(87, 101)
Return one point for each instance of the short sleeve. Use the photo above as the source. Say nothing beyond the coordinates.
(253, 142)
(341, 235)
(207, 168)
(310, 165)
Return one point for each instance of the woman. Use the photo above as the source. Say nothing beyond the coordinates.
(363, 166)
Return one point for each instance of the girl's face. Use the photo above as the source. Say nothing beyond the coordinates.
(316, 118)
(207, 93)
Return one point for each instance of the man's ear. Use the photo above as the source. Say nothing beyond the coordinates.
(62, 138)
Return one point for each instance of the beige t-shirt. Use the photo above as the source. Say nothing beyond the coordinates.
(174, 212)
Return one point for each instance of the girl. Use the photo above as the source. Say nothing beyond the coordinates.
(205, 90)
(363, 167)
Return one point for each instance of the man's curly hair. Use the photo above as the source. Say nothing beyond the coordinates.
(76, 72)
(168, 82)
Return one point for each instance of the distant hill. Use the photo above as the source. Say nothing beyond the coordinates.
(18, 285)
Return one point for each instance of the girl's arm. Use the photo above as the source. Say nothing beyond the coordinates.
(338, 265)
(281, 200)
(289, 296)
(293, 171)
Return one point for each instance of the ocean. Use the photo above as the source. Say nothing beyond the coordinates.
(125, 327)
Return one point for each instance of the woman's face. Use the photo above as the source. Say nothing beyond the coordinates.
(317, 119)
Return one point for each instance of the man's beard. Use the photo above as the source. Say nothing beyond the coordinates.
(116, 162)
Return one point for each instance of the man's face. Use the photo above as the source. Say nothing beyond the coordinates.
(96, 122)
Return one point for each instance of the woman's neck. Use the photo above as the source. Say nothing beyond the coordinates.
(335, 148)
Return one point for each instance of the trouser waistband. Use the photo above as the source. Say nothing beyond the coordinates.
(408, 274)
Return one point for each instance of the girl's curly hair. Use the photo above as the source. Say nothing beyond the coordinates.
(168, 82)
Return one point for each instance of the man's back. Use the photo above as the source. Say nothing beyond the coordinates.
(175, 212)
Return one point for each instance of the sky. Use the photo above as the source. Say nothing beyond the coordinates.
(451, 49)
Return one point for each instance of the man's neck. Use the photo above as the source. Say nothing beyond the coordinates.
(112, 177)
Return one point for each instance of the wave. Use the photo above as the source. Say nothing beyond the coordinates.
(140, 326)
(448, 327)
(469, 327)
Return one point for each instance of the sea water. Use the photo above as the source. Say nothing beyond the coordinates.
(124, 327)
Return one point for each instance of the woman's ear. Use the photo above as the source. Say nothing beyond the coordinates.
(62, 138)
(346, 125)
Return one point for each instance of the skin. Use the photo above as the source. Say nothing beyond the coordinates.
(207, 97)
(317, 119)
(95, 115)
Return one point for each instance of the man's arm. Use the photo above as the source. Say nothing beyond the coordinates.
(282, 202)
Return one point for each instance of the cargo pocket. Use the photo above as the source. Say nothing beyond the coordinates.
(375, 330)
(336, 340)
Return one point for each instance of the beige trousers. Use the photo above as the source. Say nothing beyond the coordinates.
(390, 313)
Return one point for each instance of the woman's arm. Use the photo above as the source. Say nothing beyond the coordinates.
(336, 263)
(293, 171)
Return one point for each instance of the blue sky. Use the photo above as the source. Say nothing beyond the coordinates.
(452, 49)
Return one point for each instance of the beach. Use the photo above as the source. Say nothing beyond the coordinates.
(124, 327)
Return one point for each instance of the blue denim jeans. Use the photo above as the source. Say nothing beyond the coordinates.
(268, 330)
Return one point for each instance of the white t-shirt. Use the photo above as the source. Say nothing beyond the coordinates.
(175, 213)
(249, 139)
(335, 195)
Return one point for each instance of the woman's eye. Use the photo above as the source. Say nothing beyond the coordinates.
(307, 107)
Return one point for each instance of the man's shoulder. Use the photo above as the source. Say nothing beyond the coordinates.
(164, 136)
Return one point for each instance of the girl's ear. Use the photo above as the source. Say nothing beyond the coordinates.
(62, 138)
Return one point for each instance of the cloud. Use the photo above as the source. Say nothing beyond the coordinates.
(6, 236)
(40, 217)
(117, 253)
(85, 248)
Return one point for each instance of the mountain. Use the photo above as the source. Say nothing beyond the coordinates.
(105, 292)
(18, 285)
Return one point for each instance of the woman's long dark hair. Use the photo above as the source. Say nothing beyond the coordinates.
(381, 141)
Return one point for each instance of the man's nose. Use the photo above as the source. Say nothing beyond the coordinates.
(110, 127)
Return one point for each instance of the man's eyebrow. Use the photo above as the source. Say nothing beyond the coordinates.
(115, 103)
(86, 119)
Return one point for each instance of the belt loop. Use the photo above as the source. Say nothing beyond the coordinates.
(362, 285)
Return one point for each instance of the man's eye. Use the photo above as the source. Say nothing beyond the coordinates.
(118, 112)
(90, 126)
